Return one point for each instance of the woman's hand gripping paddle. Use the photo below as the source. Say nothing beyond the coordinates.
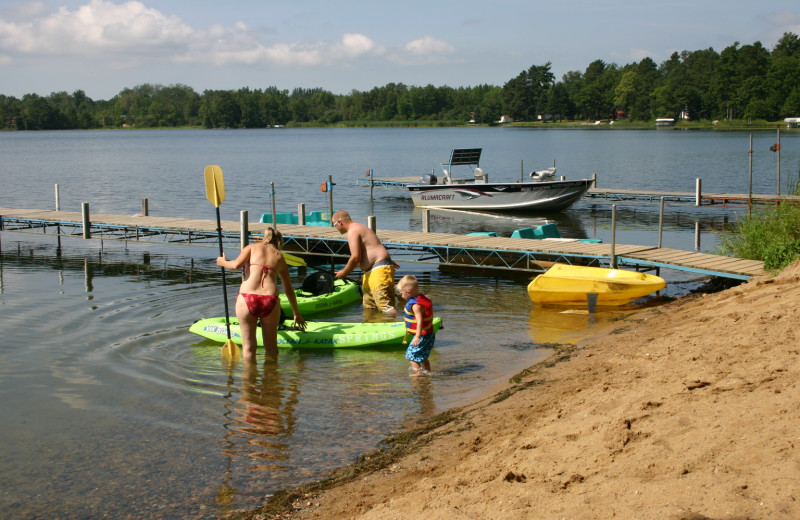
(215, 193)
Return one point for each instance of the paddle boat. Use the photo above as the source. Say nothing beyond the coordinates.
(542, 194)
(570, 284)
(315, 218)
(318, 334)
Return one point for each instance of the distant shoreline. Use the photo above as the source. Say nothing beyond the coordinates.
(596, 125)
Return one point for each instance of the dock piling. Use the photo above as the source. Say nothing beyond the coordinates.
(330, 194)
(244, 231)
(85, 219)
(661, 222)
(698, 197)
(272, 198)
(613, 256)
(58, 199)
(301, 214)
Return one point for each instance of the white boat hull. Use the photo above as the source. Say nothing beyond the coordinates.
(501, 196)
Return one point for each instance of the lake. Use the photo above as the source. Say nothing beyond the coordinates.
(112, 408)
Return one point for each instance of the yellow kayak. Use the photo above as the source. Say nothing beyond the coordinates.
(569, 284)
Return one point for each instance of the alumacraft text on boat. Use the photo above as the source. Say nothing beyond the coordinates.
(438, 197)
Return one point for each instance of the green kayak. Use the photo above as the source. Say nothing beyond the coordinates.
(320, 292)
(318, 334)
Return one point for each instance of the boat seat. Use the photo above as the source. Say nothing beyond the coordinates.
(280, 218)
(483, 233)
(547, 231)
(523, 233)
(319, 218)
(318, 283)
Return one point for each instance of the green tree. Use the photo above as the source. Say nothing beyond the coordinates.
(220, 109)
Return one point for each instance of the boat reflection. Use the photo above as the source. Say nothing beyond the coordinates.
(462, 222)
(556, 324)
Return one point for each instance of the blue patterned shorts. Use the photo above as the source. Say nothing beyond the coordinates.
(421, 352)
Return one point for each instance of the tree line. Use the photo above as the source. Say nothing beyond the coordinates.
(742, 81)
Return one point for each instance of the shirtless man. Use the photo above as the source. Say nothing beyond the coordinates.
(367, 252)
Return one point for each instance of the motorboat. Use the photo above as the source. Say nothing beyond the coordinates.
(542, 194)
(573, 284)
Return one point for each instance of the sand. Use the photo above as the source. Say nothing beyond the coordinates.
(685, 411)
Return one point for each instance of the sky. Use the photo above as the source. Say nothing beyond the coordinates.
(105, 46)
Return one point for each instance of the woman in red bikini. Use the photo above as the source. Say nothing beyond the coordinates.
(258, 294)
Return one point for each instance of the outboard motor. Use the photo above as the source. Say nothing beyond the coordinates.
(428, 178)
(548, 174)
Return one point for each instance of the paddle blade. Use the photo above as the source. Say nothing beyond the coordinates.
(294, 261)
(215, 185)
(231, 351)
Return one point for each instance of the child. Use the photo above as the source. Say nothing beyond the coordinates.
(419, 321)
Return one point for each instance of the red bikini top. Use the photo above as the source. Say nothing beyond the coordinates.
(264, 270)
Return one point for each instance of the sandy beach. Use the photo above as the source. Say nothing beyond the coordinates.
(690, 410)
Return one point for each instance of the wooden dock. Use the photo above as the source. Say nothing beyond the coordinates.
(516, 254)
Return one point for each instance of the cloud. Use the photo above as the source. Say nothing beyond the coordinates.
(129, 32)
(422, 51)
(428, 46)
(95, 28)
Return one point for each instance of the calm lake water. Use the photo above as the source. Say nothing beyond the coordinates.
(111, 408)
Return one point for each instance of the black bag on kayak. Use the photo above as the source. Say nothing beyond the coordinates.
(318, 283)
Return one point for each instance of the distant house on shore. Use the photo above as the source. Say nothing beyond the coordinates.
(506, 119)
(792, 122)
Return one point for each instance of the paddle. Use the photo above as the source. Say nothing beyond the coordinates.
(215, 193)
(292, 260)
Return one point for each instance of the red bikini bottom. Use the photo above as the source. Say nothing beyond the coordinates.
(260, 305)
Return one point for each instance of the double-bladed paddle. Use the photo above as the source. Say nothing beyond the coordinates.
(215, 193)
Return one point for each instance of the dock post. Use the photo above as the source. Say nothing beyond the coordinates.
(661, 222)
(301, 214)
(426, 220)
(272, 198)
(58, 199)
(371, 182)
(594, 180)
(330, 194)
(697, 235)
(698, 198)
(750, 188)
(778, 149)
(613, 236)
(145, 207)
(85, 217)
(371, 222)
(244, 230)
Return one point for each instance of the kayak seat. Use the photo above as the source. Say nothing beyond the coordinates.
(318, 283)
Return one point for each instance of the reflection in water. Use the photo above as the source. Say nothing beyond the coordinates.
(559, 324)
(258, 425)
(463, 222)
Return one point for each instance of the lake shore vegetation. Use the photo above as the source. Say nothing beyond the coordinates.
(743, 86)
